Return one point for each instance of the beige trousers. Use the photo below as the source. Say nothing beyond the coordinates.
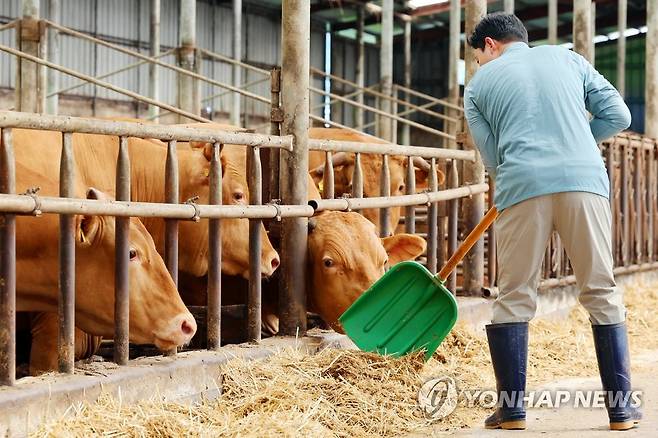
(583, 222)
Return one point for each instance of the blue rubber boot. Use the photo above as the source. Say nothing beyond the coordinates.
(611, 344)
(508, 345)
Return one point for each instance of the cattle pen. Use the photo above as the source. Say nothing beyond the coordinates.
(399, 135)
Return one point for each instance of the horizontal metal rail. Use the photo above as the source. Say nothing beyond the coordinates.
(402, 113)
(348, 204)
(9, 25)
(428, 97)
(383, 113)
(228, 60)
(390, 149)
(11, 119)
(103, 84)
(157, 62)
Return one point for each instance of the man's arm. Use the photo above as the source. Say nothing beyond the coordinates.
(602, 100)
(481, 131)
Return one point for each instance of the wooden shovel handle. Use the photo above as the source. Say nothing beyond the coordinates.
(467, 244)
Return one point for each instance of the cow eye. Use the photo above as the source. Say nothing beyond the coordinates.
(328, 263)
(133, 254)
(238, 196)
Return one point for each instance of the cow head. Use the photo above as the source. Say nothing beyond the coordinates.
(157, 313)
(346, 257)
(235, 232)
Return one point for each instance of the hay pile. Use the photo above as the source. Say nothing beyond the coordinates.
(350, 393)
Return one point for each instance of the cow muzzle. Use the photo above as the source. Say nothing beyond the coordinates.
(178, 332)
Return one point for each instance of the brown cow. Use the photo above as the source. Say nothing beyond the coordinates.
(371, 165)
(157, 313)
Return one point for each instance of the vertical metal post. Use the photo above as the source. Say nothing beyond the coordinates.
(255, 198)
(385, 226)
(625, 238)
(453, 221)
(432, 221)
(357, 177)
(172, 195)
(651, 86)
(453, 62)
(295, 48)
(54, 15)
(552, 21)
(28, 37)
(637, 200)
(410, 211)
(473, 172)
(406, 136)
(593, 33)
(360, 65)
(7, 266)
(275, 129)
(237, 55)
(508, 6)
(328, 191)
(122, 284)
(386, 66)
(582, 28)
(66, 298)
(214, 314)
(188, 87)
(651, 194)
(621, 47)
(154, 50)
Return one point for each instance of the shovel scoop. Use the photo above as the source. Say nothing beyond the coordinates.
(408, 309)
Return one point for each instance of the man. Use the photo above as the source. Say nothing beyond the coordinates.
(527, 110)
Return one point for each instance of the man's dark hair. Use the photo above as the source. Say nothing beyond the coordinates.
(500, 27)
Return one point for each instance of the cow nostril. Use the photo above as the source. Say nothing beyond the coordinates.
(275, 263)
(187, 328)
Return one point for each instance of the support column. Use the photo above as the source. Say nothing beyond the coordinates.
(454, 54)
(154, 50)
(582, 28)
(54, 15)
(552, 21)
(509, 6)
(473, 172)
(237, 55)
(360, 65)
(621, 47)
(188, 87)
(651, 87)
(295, 49)
(406, 136)
(28, 37)
(593, 33)
(386, 67)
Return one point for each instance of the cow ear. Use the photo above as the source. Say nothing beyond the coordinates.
(422, 176)
(88, 227)
(401, 247)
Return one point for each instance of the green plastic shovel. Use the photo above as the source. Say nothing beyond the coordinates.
(408, 309)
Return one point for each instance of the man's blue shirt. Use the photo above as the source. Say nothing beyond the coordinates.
(527, 111)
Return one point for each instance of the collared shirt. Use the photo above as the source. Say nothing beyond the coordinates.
(527, 111)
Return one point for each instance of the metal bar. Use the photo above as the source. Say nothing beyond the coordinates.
(275, 129)
(217, 56)
(637, 200)
(621, 46)
(255, 198)
(582, 29)
(7, 266)
(453, 220)
(328, 191)
(237, 55)
(593, 32)
(295, 53)
(394, 123)
(410, 211)
(412, 110)
(359, 117)
(508, 6)
(650, 201)
(390, 149)
(12, 24)
(357, 177)
(552, 21)
(157, 62)
(620, 270)
(129, 129)
(385, 228)
(383, 113)
(66, 297)
(386, 66)
(154, 52)
(346, 204)
(42, 76)
(172, 196)
(187, 86)
(101, 84)
(226, 93)
(436, 100)
(406, 136)
(651, 73)
(432, 222)
(122, 283)
(214, 314)
(28, 39)
(623, 194)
